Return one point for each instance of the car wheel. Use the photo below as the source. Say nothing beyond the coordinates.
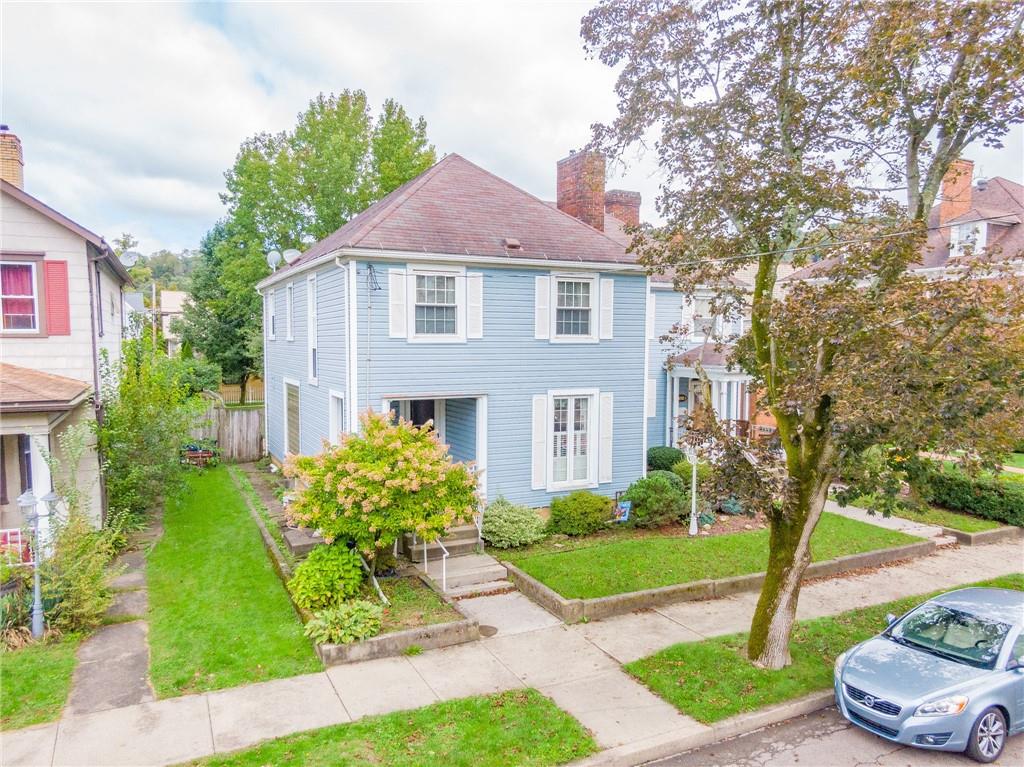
(988, 736)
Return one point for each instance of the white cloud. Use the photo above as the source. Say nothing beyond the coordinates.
(130, 113)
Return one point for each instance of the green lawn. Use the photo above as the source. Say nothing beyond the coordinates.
(1014, 459)
(218, 613)
(634, 564)
(713, 680)
(934, 515)
(413, 604)
(35, 681)
(520, 727)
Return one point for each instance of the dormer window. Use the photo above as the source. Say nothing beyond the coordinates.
(970, 237)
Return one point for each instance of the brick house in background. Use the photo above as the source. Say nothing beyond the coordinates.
(60, 307)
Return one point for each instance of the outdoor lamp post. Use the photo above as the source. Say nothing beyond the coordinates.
(27, 503)
(691, 456)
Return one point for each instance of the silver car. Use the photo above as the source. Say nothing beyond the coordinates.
(948, 675)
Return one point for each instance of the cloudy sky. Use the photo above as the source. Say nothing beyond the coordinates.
(130, 113)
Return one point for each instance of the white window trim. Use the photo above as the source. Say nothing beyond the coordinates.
(35, 300)
(311, 328)
(957, 243)
(271, 315)
(334, 429)
(289, 304)
(459, 337)
(286, 382)
(595, 308)
(593, 442)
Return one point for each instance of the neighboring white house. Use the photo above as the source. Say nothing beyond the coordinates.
(61, 307)
(172, 306)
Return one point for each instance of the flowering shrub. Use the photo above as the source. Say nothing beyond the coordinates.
(390, 479)
(346, 623)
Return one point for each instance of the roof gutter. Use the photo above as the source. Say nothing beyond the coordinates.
(448, 258)
(286, 273)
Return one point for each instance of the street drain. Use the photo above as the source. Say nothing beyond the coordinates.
(488, 631)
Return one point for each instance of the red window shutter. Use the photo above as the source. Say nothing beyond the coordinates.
(58, 310)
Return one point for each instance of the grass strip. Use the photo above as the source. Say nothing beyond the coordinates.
(218, 613)
(413, 604)
(713, 680)
(35, 681)
(256, 503)
(622, 566)
(519, 727)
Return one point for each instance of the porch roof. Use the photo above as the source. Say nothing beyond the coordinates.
(709, 354)
(26, 390)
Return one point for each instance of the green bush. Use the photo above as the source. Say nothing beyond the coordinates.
(76, 577)
(683, 486)
(346, 623)
(508, 525)
(663, 458)
(579, 513)
(656, 500)
(985, 497)
(328, 576)
(684, 471)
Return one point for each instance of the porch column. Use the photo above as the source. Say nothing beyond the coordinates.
(481, 446)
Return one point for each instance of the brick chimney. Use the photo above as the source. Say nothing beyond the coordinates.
(955, 198)
(581, 187)
(624, 205)
(12, 161)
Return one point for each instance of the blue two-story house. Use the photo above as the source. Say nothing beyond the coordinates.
(521, 329)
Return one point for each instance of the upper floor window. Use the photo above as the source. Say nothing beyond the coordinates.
(573, 308)
(311, 328)
(288, 303)
(972, 236)
(19, 296)
(271, 315)
(436, 305)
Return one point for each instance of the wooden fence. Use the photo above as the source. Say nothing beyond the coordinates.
(237, 432)
(232, 393)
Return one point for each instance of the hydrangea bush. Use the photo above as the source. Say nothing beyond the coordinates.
(385, 481)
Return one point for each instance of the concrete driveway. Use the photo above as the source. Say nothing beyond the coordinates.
(825, 739)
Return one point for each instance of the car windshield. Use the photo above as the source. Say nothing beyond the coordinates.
(952, 634)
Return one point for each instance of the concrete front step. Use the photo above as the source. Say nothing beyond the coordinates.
(486, 589)
(455, 548)
(467, 570)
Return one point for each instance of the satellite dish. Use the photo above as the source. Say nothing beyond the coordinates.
(291, 255)
(273, 259)
(130, 258)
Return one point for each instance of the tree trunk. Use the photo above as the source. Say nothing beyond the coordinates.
(789, 556)
(241, 388)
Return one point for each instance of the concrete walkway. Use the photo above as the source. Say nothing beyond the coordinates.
(900, 524)
(576, 666)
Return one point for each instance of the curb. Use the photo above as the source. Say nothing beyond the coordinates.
(998, 535)
(672, 743)
(395, 643)
(575, 610)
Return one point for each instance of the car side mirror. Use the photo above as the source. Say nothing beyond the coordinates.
(890, 619)
(1015, 664)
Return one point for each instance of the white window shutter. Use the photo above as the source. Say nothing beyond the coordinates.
(542, 308)
(651, 299)
(607, 307)
(474, 305)
(652, 397)
(539, 474)
(604, 471)
(396, 303)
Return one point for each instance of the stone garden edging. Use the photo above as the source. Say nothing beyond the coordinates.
(672, 743)
(998, 535)
(575, 610)
(397, 642)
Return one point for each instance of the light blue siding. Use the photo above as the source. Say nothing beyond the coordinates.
(508, 365)
(460, 428)
(667, 312)
(288, 359)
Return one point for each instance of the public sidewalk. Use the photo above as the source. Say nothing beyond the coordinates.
(576, 666)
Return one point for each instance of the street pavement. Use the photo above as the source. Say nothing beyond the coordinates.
(824, 739)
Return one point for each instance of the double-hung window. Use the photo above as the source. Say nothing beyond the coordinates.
(311, 328)
(573, 308)
(271, 315)
(19, 296)
(571, 440)
(436, 305)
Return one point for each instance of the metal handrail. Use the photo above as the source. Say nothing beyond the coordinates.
(444, 565)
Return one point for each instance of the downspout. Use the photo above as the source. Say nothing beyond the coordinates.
(264, 374)
(97, 403)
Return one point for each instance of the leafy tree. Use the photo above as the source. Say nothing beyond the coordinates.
(124, 243)
(388, 480)
(284, 191)
(769, 138)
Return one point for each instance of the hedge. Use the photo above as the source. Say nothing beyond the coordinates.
(662, 458)
(984, 497)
